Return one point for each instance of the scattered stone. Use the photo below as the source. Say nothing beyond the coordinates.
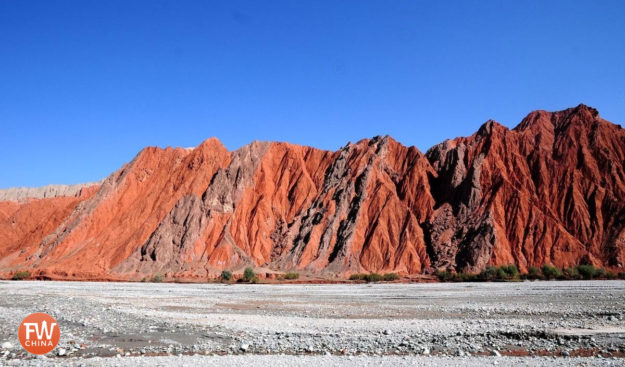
(283, 330)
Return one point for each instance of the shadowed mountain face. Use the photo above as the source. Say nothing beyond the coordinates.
(551, 190)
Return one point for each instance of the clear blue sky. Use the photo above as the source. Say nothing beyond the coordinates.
(84, 85)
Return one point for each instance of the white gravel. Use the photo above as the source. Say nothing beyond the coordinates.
(383, 324)
(307, 361)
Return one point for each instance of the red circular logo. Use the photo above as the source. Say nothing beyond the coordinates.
(39, 333)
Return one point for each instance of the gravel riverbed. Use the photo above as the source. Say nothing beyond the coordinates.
(144, 324)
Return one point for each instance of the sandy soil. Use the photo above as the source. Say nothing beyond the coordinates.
(554, 323)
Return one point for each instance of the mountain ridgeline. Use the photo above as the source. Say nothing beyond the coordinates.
(549, 191)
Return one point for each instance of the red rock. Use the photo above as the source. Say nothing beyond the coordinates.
(23, 225)
(550, 190)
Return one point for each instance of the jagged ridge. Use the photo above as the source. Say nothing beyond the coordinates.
(551, 190)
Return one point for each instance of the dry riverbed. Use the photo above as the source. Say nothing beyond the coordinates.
(128, 324)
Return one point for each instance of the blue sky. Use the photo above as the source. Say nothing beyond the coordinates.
(84, 85)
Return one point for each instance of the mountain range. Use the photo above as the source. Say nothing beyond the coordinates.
(549, 191)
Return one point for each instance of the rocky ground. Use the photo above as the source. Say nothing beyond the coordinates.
(127, 324)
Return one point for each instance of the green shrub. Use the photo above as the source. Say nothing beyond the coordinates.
(447, 276)
(534, 273)
(444, 275)
(621, 275)
(571, 273)
(226, 275)
(373, 277)
(291, 276)
(551, 272)
(389, 277)
(157, 278)
(468, 277)
(578, 272)
(21, 275)
(358, 276)
(490, 273)
(587, 271)
(501, 274)
(249, 275)
(600, 273)
(511, 271)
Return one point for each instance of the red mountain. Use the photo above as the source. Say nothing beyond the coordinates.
(551, 190)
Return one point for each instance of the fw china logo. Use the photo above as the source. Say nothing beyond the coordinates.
(39, 333)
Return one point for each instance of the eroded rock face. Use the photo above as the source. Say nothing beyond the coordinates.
(551, 190)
